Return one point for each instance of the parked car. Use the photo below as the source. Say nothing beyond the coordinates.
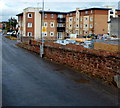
(12, 33)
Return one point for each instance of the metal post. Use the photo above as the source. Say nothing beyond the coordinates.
(41, 46)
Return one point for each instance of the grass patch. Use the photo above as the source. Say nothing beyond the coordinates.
(11, 37)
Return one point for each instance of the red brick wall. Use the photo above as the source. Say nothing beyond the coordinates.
(96, 65)
(99, 64)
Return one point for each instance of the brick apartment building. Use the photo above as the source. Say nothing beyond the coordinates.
(60, 24)
(87, 21)
(117, 12)
(55, 24)
(30, 23)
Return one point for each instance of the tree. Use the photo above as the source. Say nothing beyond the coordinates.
(12, 23)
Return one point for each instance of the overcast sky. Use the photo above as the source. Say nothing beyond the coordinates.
(9, 8)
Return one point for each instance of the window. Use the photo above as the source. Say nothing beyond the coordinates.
(59, 35)
(70, 19)
(91, 11)
(45, 15)
(86, 12)
(66, 26)
(52, 24)
(70, 14)
(77, 25)
(81, 19)
(80, 32)
(51, 33)
(90, 32)
(111, 12)
(70, 25)
(45, 33)
(111, 16)
(60, 16)
(91, 26)
(91, 18)
(77, 32)
(80, 25)
(60, 25)
(29, 24)
(86, 25)
(86, 19)
(29, 34)
(45, 24)
(52, 15)
(29, 15)
(85, 32)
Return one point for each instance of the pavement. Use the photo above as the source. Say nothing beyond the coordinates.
(28, 80)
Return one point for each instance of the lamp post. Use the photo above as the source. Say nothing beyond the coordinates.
(41, 46)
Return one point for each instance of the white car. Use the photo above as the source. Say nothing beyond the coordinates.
(10, 33)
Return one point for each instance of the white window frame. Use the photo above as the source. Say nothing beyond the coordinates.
(85, 25)
(52, 23)
(51, 33)
(66, 26)
(86, 12)
(45, 15)
(60, 25)
(52, 15)
(80, 25)
(90, 32)
(70, 14)
(29, 15)
(70, 19)
(77, 26)
(85, 32)
(45, 33)
(29, 25)
(60, 16)
(81, 32)
(28, 34)
(86, 19)
(45, 24)
(81, 19)
(91, 18)
(91, 25)
(60, 35)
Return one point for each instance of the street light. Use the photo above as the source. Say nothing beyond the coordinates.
(41, 46)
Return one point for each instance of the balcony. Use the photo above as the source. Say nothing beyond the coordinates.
(60, 29)
(61, 20)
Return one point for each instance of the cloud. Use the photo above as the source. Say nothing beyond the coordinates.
(12, 7)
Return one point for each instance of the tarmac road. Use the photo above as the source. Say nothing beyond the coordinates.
(29, 80)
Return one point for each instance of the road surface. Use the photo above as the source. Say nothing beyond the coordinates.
(29, 80)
